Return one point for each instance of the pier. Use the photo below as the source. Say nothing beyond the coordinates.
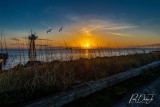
(3, 59)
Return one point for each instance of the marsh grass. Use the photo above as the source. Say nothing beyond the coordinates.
(114, 94)
(21, 84)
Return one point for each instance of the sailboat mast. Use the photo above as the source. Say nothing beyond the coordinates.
(1, 41)
(5, 45)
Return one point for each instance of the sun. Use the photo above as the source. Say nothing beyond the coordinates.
(87, 45)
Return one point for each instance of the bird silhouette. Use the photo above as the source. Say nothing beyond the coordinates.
(60, 29)
(49, 30)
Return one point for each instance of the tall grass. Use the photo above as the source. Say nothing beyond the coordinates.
(22, 83)
(63, 67)
(63, 51)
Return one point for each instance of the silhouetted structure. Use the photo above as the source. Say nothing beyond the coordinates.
(32, 49)
(4, 52)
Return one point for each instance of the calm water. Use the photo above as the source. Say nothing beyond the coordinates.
(21, 56)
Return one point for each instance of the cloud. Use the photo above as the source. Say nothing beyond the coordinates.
(17, 44)
(88, 31)
(74, 18)
(24, 38)
(26, 44)
(152, 45)
(17, 39)
(45, 39)
(117, 27)
(119, 34)
(90, 27)
(42, 45)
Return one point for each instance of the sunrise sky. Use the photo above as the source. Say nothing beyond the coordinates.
(108, 23)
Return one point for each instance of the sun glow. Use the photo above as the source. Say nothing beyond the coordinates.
(87, 45)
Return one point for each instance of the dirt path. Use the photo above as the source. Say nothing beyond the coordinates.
(148, 91)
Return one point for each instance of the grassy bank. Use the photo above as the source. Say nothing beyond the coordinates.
(22, 84)
(111, 95)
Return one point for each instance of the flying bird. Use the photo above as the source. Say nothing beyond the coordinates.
(49, 30)
(60, 29)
